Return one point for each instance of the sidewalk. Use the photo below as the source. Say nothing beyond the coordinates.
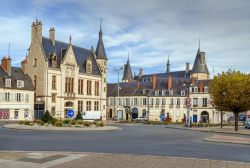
(100, 160)
(229, 139)
(225, 130)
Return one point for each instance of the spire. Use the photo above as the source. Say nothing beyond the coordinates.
(70, 39)
(199, 44)
(168, 65)
(100, 50)
(200, 65)
(127, 74)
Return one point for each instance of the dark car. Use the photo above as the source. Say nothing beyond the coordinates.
(247, 124)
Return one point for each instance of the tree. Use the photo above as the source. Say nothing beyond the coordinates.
(230, 91)
(79, 116)
(46, 117)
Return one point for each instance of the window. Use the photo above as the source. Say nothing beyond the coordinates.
(88, 87)
(7, 96)
(178, 102)
(53, 82)
(20, 83)
(18, 97)
(171, 101)
(127, 101)
(163, 93)
(204, 102)
(205, 89)
(144, 101)
(151, 101)
(156, 93)
(195, 89)
(27, 98)
(111, 101)
(104, 89)
(163, 101)
(80, 86)
(182, 93)
(7, 82)
(171, 93)
(69, 85)
(104, 80)
(80, 106)
(135, 101)
(34, 81)
(96, 88)
(53, 97)
(195, 102)
(35, 62)
(88, 105)
(157, 102)
(96, 105)
(16, 114)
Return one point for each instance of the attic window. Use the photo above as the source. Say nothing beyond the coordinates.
(171, 93)
(205, 89)
(88, 66)
(7, 82)
(156, 93)
(20, 83)
(163, 93)
(182, 93)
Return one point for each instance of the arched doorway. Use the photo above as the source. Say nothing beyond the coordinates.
(110, 113)
(134, 113)
(204, 117)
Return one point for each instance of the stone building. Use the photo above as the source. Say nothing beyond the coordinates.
(16, 93)
(65, 76)
(150, 95)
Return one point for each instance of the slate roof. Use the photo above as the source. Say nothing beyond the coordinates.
(100, 50)
(81, 54)
(16, 74)
(200, 65)
(175, 74)
(127, 73)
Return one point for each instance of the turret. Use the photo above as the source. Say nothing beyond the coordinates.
(36, 31)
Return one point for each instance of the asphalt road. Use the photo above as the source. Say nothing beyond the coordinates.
(142, 140)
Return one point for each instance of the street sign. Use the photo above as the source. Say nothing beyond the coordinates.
(70, 113)
(188, 100)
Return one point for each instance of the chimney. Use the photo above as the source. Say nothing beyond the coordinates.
(201, 87)
(138, 83)
(192, 80)
(6, 64)
(169, 82)
(24, 66)
(187, 67)
(52, 35)
(154, 82)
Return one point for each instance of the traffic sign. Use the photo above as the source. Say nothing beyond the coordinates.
(70, 113)
(188, 100)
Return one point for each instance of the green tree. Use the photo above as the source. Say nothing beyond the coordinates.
(46, 117)
(230, 91)
(79, 116)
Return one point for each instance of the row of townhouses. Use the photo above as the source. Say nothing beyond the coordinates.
(59, 76)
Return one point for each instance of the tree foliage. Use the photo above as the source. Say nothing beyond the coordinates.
(46, 117)
(79, 116)
(230, 91)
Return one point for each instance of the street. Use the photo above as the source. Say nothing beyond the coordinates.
(139, 139)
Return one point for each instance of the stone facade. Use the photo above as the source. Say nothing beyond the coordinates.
(66, 77)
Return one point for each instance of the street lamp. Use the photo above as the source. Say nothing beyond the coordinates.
(188, 105)
(221, 115)
(118, 90)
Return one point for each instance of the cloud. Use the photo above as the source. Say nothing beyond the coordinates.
(151, 30)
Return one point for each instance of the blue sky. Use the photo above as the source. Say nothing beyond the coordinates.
(149, 29)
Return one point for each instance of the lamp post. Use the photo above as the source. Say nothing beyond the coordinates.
(188, 105)
(118, 90)
(221, 115)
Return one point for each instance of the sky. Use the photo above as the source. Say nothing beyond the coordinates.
(149, 30)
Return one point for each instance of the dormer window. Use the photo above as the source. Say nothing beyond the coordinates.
(205, 89)
(7, 82)
(89, 66)
(171, 93)
(163, 93)
(182, 93)
(53, 61)
(195, 89)
(156, 93)
(20, 83)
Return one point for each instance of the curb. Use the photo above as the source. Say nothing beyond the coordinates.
(222, 141)
(61, 128)
(234, 133)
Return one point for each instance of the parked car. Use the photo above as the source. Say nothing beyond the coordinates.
(247, 124)
(140, 119)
